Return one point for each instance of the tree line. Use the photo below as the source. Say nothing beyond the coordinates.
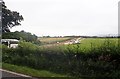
(22, 35)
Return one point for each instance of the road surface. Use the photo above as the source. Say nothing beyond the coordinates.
(12, 75)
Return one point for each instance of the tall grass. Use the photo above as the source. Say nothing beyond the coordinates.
(98, 61)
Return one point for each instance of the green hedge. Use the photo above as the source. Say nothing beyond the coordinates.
(103, 61)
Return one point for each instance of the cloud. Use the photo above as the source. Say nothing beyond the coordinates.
(61, 17)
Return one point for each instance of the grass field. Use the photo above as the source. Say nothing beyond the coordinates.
(51, 40)
(86, 44)
(89, 43)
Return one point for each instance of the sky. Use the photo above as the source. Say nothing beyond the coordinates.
(67, 17)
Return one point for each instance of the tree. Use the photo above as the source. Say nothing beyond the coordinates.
(9, 18)
(26, 36)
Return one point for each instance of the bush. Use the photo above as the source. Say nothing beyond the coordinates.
(22, 35)
(102, 61)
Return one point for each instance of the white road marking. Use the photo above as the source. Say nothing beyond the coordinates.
(15, 73)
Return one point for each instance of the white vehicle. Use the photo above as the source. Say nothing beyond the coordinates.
(11, 43)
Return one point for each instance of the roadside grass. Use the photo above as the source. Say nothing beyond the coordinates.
(30, 71)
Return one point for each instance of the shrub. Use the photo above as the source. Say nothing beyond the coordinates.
(101, 61)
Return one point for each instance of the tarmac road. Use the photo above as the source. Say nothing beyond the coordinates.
(12, 75)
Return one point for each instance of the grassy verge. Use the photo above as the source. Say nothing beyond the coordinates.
(30, 71)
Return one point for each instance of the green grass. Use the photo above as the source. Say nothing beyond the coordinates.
(85, 44)
(89, 43)
(30, 71)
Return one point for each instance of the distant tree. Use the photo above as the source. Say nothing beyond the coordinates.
(9, 18)
(22, 35)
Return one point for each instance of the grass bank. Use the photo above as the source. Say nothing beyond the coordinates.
(30, 71)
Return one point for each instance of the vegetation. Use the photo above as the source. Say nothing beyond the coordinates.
(93, 58)
(93, 43)
(9, 18)
(51, 40)
(30, 71)
(22, 35)
(80, 60)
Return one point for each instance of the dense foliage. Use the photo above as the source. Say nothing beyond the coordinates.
(22, 35)
(99, 62)
(9, 18)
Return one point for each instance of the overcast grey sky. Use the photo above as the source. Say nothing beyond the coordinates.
(67, 17)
